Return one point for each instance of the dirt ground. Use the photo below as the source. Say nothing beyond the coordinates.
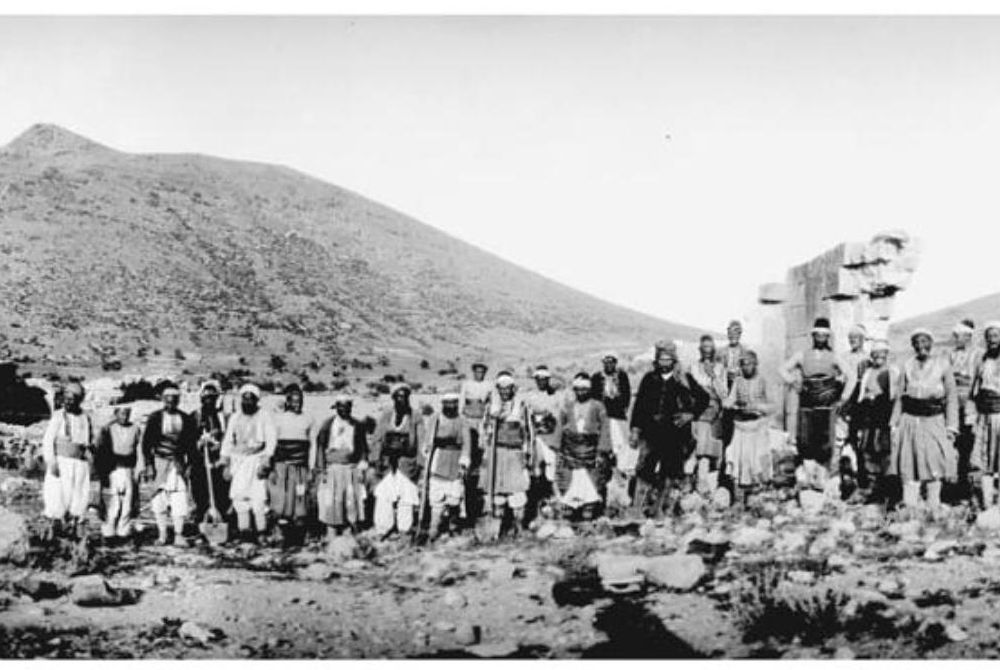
(772, 580)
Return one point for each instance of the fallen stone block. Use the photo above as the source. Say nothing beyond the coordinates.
(680, 572)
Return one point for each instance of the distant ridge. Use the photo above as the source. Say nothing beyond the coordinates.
(104, 250)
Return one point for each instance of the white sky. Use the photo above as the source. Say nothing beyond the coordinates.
(545, 139)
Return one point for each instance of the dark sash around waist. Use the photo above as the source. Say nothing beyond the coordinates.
(510, 435)
(167, 451)
(579, 449)
(988, 403)
(292, 451)
(123, 460)
(447, 444)
(71, 450)
(923, 406)
(819, 391)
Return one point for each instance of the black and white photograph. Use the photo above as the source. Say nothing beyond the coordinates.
(499, 336)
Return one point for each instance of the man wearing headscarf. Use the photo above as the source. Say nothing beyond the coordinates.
(247, 448)
(169, 447)
(985, 393)
(610, 385)
(872, 402)
(667, 401)
(924, 424)
(819, 376)
(543, 404)
(584, 452)
(707, 428)
(211, 425)
(964, 358)
(395, 453)
(474, 397)
(66, 445)
(119, 462)
(288, 482)
(730, 356)
(508, 448)
(448, 456)
(341, 458)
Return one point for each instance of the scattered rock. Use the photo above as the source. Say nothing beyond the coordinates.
(844, 654)
(355, 564)
(843, 527)
(988, 520)
(13, 537)
(811, 501)
(751, 538)
(94, 591)
(620, 573)
(692, 502)
(681, 572)
(421, 639)
(454, 599)
(908, 531)
(37, 589)
(565, 533)
(955, 633)
(824, 544)
(341, 547)
(802, 577)
(790, 543)
(494, 649)
(546, 530)
(711, 546)
(838, 562)
(467, 634)
(722, 498)
(317, 572)
(891, 588)
(199, 633)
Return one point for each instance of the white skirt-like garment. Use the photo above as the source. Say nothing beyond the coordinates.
(69, 493)
(581, 490)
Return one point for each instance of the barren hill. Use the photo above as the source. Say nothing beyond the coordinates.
(105, 249)
(942, 321)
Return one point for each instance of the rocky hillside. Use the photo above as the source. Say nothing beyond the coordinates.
(942, 321)
(105, 250)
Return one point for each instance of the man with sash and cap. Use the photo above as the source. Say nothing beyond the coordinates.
(66, 445)
(667, 402)
(247, 449)
(855, 361)
(395, 452)
(211, 429)
(611, 386)
(544, 404)
(341, 459)
(169, 445)
(964, 357)
(820, 377)
(584, 452)
(288, 482)
(447, 453)
(871, 404)
(507, 449)
(985, 393)
(474, 397)
(730, 356)
(119, 461)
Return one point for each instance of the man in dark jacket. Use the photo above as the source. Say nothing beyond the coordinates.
(612, 387)
(667, 402)
(169, 445)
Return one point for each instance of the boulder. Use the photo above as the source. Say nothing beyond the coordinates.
(680, 572)
(791, 542)
(467, 634)
(802, 577)
(94, 591)
(811, 501)
(750, 538)
(620, 573)
(317, 572)
(454, 599)
(988, 520)
(843, 527)
(824, 544)
(37, 589)
(13, 537)
(494, 649)
(908, 531)
(194, 631)
(341, 547)
(692, 502)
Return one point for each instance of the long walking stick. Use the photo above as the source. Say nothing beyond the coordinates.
(425, 488)
(491, 426)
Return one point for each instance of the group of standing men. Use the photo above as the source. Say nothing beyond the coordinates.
(494, 451)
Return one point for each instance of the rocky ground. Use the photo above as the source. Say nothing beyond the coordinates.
(780, 578)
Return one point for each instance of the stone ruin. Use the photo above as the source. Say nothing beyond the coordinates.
(852, 283)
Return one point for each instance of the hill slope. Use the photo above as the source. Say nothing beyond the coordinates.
(942, 321)
(102, 248)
